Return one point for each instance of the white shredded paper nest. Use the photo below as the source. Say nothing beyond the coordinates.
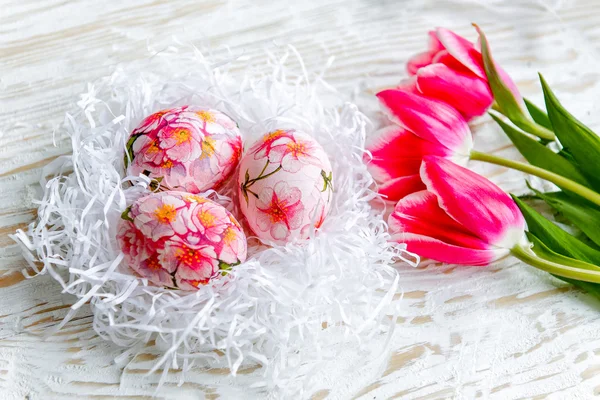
(285, 305)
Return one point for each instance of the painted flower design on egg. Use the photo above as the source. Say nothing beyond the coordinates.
(262, 147)
(292, 155)
(180, 240)
(188, 148)
(280, 210)
(285, 186)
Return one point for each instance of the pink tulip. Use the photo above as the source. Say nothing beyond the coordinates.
(461, 217)
(452, 70)
(426, 127)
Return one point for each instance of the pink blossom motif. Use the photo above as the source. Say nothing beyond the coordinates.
(215, 155)
(233, 245)
(152, 269)
(280, 210)
(133, 243)
(262, 147)
(153, 121)
(158, 216)
(148, 150)
(423, 127)
(293, 154)
(282, 179)
(168, 173)
(460, 218)
(180, 240)
(317, 217)
(208, 219)
(180, 141)
(195, 265)
(189, 148)
(451, 70)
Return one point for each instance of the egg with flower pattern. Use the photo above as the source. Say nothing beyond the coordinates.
(185, 148)
(285, 186)
(180, 240)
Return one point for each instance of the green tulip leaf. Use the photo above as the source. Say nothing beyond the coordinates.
(581, 213)
(577, 139)
(556, 238)
(539, 155)
(544, 252)
(565, 154)
(538, 115)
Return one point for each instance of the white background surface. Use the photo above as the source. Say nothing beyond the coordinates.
(501, 332)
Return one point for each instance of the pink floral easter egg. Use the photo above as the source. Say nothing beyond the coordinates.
(285, 186)
(186, 148)
(180, 240)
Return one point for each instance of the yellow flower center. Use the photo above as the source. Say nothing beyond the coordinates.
(196, 283)
(296, 148)
(275, 211)
(206, 116)
(153, 148)
(166, 213)
(188, 256)
(206, 219)
(154, 264)
(195, 199)
(167, 164)
(273, 135)
(182, 136)
(208, 147)
(229, 236)
(234, 221)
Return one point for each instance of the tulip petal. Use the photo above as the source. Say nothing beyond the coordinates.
(466, 92)
(395, 141)
(475, 202)
(397, 152)
(419, 61)
(409, 85)
(443, 57)
(437, 250)
(392, 168)
(430, 119)
(462, 50)
(396, 189)
(467, 55)
(419, 213)
(422, 59)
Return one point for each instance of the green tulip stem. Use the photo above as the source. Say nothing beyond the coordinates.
(558, 180)
(528, 125)
(576, 270)
(535, 129)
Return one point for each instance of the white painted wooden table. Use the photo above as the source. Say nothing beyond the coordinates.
(502, 332)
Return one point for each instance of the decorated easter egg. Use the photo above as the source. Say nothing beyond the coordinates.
(285, 186)
(186, 148)
(180, 240)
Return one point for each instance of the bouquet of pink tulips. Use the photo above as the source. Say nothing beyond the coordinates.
(448, 213)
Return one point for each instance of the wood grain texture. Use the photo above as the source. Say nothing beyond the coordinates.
(504, 332)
